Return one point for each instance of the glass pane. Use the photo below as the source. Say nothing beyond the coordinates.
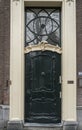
(42, 25)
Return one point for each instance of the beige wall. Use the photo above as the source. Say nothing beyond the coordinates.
(68, 58)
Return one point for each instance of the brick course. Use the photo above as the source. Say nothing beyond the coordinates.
(4, 50)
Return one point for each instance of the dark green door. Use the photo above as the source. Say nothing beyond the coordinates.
(42, 65)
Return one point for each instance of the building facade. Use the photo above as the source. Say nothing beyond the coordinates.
(17, 51)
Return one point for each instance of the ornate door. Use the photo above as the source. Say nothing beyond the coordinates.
(42, 65)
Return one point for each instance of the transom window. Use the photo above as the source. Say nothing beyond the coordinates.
(42, 24)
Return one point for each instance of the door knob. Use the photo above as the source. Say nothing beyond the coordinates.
(43, 73)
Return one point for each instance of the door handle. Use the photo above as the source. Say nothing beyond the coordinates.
(60, 79)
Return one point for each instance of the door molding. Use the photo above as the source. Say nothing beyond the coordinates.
(68, 58)
(43, 46)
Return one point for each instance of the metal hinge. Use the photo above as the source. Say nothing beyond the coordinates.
(60, 79)
(9, 82)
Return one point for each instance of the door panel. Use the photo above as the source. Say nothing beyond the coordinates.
(42, 91)
(42, 86)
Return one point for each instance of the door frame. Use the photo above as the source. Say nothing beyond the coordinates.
(57, 52)
(68, 39)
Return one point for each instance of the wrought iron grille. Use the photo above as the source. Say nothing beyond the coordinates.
(42, 24)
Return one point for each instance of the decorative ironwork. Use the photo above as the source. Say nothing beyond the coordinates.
(43, 46)
(42, 25)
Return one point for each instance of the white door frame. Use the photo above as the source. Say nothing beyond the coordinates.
(68, 57)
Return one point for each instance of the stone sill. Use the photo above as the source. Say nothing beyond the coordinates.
(43, 125)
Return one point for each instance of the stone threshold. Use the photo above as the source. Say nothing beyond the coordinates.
(20, 125)
(51, 125)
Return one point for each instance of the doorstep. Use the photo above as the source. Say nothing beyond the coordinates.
(19, 125)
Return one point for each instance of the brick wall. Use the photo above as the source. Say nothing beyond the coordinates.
(4, 50)
(79, 48)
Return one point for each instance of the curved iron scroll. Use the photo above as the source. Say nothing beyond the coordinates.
(43, 46)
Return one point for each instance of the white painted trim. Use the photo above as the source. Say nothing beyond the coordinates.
(17, 61)
(68, 59)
